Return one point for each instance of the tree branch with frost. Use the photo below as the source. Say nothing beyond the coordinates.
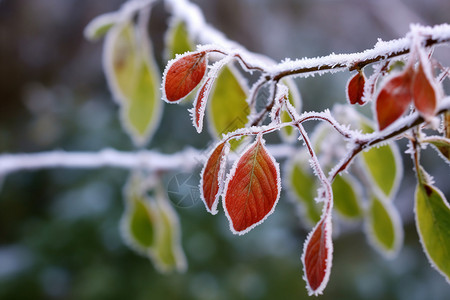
(251, 188)
(149, 160)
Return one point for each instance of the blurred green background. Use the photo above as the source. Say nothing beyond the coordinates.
(59, 236)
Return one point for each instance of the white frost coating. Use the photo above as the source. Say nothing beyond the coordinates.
(369, 87)
(326, 217)
(231, 175)
(398, 229)
(296, 101)
(280, 98)
(150, 160)
(197, 116)
(381, 49)
(220, 177)
(432, 263)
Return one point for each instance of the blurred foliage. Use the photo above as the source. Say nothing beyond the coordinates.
(59, 229)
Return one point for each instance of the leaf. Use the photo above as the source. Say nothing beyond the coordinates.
(200, 104)
(138, 224)
(288, 133)
(134, 81)
(182, 75)
(212, 175)
(424, 91)
(177, 39)
(169, 255)
(394, 98)
(441, 144)
(355, 88)
(384, 168)
(100, 25)
(317, 257)
(346, 196)
(303, 185)
(228, 109)
(383, 227)
(252, 188)
(151, 227)
(432, 213)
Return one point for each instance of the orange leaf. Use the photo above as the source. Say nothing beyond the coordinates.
(424, 93)
(394, 98)
(212, 177)
(252, 188)
(200, 104)
(355, 88)
(183, 75)
(317, 257)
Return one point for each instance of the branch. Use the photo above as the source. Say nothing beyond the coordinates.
(185, 160)
(372, 139)
(383, 50)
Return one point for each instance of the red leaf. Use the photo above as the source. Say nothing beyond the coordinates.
(424, 93)
(355, 88)
(212, 177)
(317, 257)
(183, 75)
(252, 188)
(394, 98)
(200, 104)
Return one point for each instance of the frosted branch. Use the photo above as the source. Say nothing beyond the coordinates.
(185, 160)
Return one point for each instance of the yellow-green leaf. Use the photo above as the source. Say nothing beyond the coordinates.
(100, 25)
(134, 80)
(288, 133)
(383, 227)
(169, 255)
(383, 166)
(346, 196)
(228, 109)
(138, 224)
(433, 225)
(178, 40)
(441, 144)
(303, 186)
(151, 227)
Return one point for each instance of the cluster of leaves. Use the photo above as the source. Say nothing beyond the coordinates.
(149, 225)
(250, 188)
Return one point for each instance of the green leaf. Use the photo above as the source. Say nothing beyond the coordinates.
(433, 225)
(441, 144)
(303, 187)
(134, 80)
(228, 109)
(346, 196)
(288, 133)
(100, 25)
(177, 39)
(382, 164)
(139, 222)
(151, 227)
(384, 168)
(383, 227)
(169, 255)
